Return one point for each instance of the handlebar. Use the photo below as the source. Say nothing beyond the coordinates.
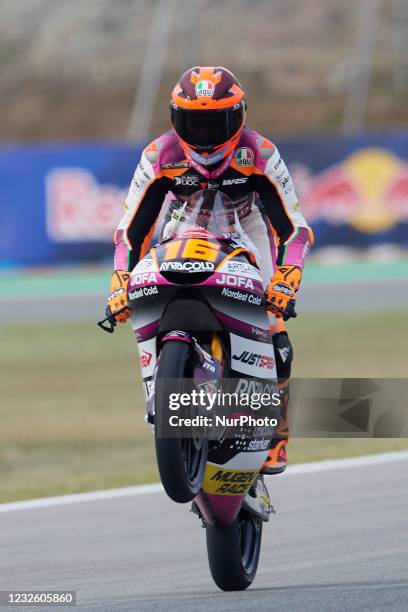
(109, 323)
(287, 314)
(112, 324)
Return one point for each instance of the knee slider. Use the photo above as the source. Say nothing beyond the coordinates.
(283, 354)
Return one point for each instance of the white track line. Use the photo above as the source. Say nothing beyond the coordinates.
(76, 498)
(335, 464)
(301, 468)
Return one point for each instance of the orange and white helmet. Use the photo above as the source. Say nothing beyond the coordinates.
(208, 111)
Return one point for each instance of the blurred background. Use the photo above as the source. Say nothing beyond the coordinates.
(84, 86)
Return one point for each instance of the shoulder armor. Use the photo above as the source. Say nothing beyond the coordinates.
(265, 147)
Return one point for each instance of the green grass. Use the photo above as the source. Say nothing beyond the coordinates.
(72, 409)
(364, 344)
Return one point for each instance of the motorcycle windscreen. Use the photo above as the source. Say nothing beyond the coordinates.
(208, 210)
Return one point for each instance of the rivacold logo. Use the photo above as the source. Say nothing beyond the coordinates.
(187, 266)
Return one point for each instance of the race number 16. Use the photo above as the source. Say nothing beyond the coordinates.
(193, 249)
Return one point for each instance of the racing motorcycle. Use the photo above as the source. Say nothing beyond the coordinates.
(199, 317)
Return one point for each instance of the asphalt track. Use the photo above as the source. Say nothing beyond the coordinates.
(327, 297)
(339, 541)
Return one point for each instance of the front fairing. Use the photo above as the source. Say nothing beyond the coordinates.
(219, 271)
(229, 286)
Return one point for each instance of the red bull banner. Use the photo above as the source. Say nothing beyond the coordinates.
(61, 204)
(354, 192)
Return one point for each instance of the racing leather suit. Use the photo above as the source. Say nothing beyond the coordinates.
(253, 176)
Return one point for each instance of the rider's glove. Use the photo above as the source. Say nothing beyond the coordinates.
(118, 304)
(281, 291)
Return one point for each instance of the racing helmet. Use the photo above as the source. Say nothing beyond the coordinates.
(208, 111)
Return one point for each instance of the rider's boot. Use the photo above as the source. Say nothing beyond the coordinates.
(275, 462)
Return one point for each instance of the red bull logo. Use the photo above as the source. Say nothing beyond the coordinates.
(367, 191)
(79, 208)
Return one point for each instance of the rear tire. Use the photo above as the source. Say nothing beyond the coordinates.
(181, 461)
(233, 552)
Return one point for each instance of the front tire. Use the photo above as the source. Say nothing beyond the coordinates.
(233, 552)
(181, 461)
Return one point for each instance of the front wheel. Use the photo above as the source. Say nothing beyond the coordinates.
(233, 552)
(181, 461)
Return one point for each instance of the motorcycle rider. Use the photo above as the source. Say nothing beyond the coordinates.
(210, 146)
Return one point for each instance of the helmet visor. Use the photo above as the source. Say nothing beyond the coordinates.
(207, 128)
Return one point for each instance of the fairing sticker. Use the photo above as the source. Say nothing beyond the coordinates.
(253, 358)
(221, 481)
(148, 357)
